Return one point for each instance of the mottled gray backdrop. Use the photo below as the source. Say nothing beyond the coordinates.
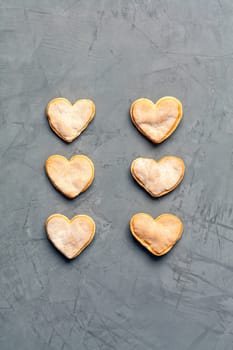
(116, 295)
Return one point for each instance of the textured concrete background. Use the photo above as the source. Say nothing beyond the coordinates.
(116, 295)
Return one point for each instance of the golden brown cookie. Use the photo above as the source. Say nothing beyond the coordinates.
(70, 237)
(70, 177)
(158, 178)
(68, 120)
(157, 121)
(157, 235)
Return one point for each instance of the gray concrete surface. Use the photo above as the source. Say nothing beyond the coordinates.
(116, 295)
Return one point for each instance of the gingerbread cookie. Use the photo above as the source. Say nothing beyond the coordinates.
(157, 121)
(158, 178)
(70, 237)
(68, 120)
(70, 177)
(157, 235)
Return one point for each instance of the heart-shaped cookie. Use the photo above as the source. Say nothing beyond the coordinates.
(157, 235)
(158, 178)
(70, 177)
(157, 121)
(68, 120)
(70, 237)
